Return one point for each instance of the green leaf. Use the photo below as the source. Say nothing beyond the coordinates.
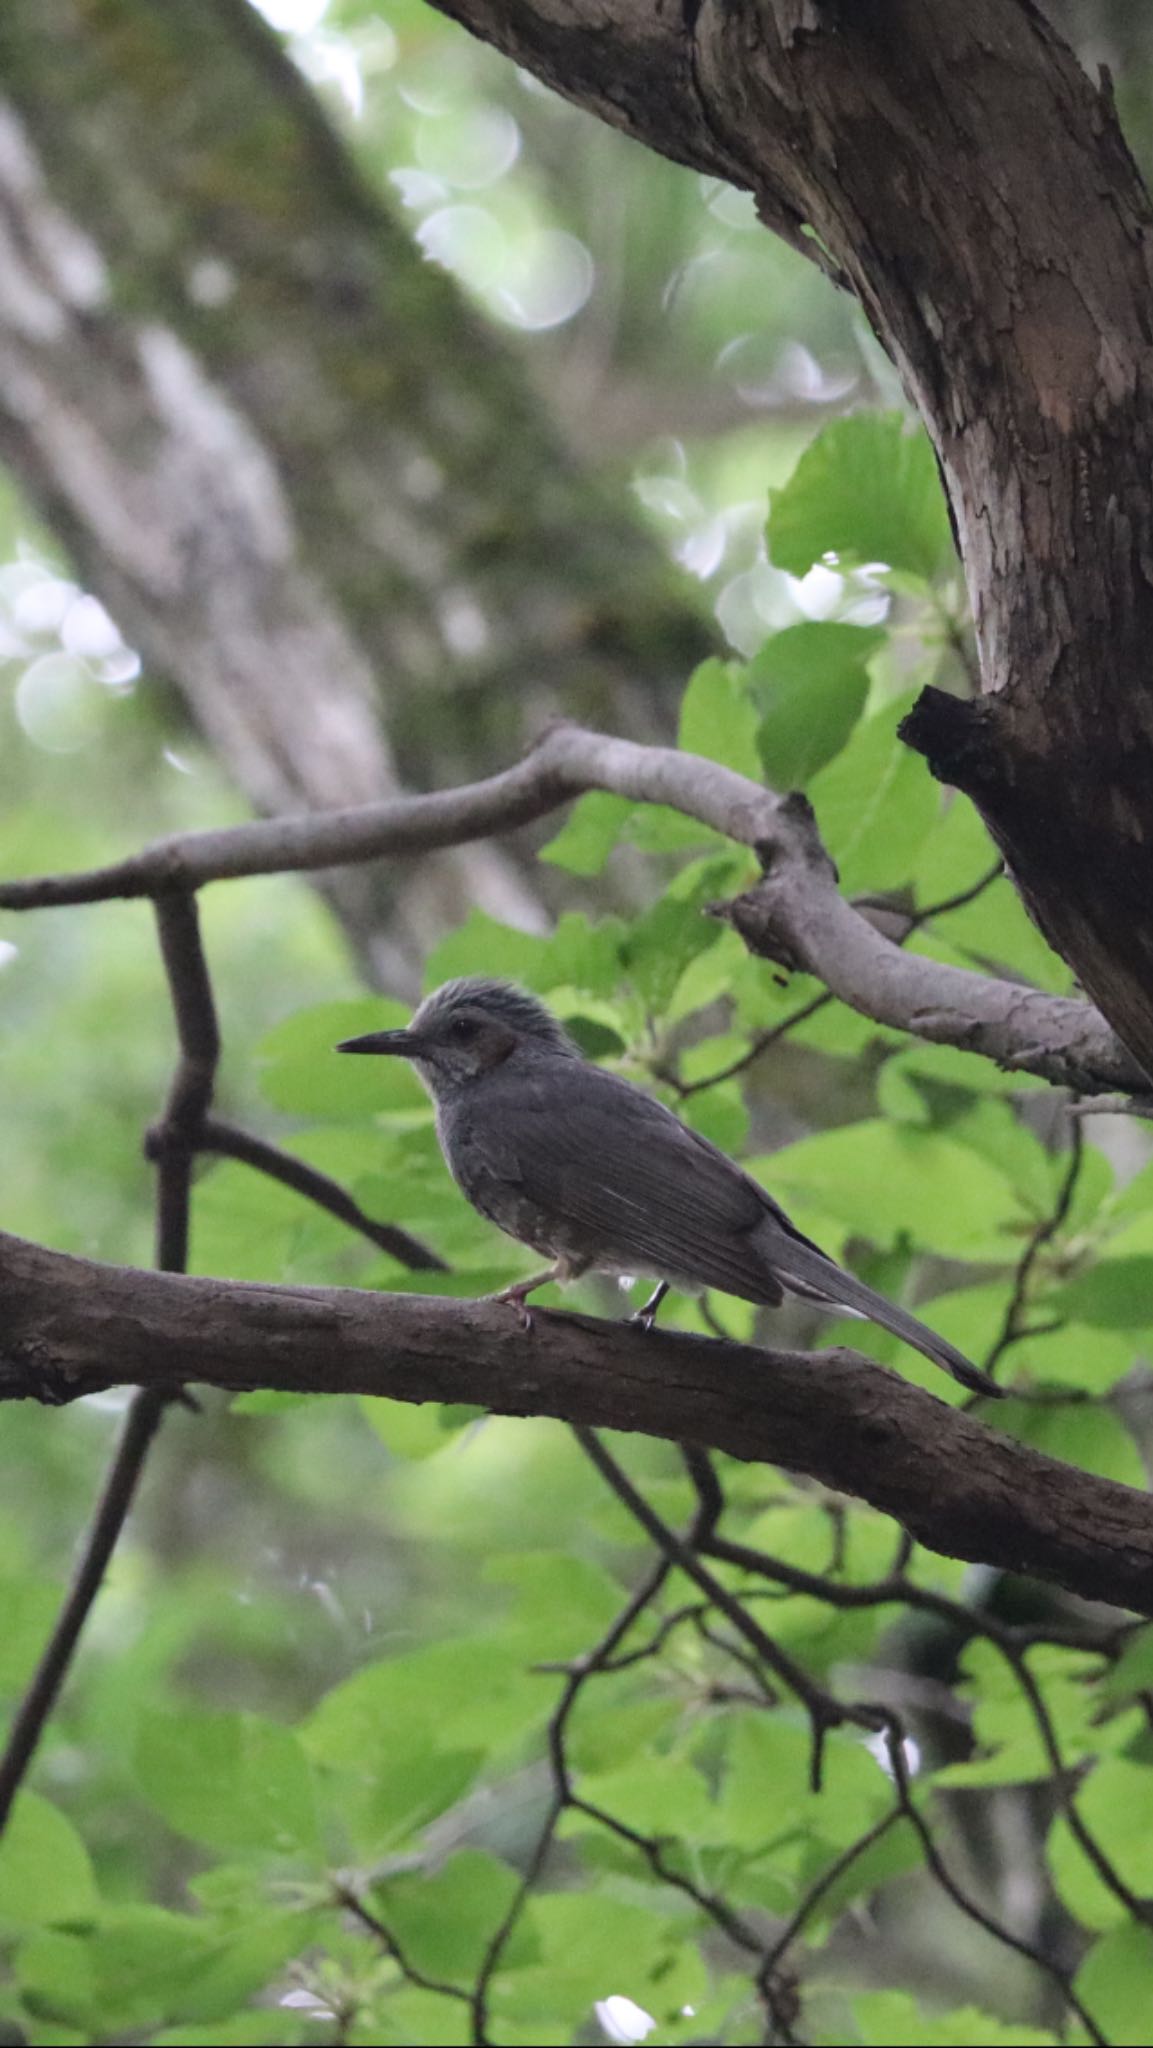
(810, 683)
(957, 854)
(144, 1966)
(303, 1074)
(589, 1943)
(995, 930)
(867, 490)
(29, 1609)
(408, 1733)
(582, 954)
(890, 2019)
(1117, 1294)
(719, 1114)
(896, 1183)
(899, 1095)
(1071, 1355)
(56, 1976)
(237, 2030)
(482, 945)
(657, 828)
(409, 1430)
(467, 1687)
(875, 804)
(445, 1920)
(562, 1602)
(897, 1852)
(1092, 1437)
(765, 1793)
(662, 1796)
(589, 833)
(1005, 1726)
(717, 718)
(1114, 1982)
(1116, 1804)
(232, 1780)
(1133, 1671)
(661, 944)
(45, 1872)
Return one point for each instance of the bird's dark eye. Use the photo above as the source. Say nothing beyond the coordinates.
(463, 1029)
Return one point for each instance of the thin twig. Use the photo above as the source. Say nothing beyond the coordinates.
(761, 1043)
(824, 1883)
(1012, 1644)
(171, 1144)
(230, 1142)
(580, 1672)
(1013, 1328)
(824, 1711)
(112, 1509)
(352, 1902)
(938, 1869)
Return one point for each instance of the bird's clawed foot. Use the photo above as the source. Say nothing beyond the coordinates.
(515, 1295)
(645, 1317)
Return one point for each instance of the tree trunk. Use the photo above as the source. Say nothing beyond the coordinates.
(958, 171)
(297, 468)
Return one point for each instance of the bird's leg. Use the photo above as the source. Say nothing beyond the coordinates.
(515, 1295)
(647, 1315)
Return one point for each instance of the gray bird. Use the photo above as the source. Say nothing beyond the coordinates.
(597, 1175)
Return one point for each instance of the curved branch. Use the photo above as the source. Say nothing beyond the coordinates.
(71, 1326)
(795, 912)
(958, 169)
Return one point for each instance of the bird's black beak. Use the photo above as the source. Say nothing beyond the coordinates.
(407, 1044)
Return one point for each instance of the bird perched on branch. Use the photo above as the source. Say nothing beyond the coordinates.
(597, 1176)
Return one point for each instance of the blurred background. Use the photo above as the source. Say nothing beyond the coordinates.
(449, 411)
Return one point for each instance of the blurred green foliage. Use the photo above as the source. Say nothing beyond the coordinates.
(324, 1666)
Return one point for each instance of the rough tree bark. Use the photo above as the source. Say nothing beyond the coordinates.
(956, 169)
(71, 1327)
(308, 481)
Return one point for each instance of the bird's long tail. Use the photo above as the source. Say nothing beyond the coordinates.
(806, 1271)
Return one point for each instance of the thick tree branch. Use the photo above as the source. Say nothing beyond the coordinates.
(795, 913)
(70, 1326)
(958, 169)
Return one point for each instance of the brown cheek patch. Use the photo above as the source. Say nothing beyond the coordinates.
(499, 1048)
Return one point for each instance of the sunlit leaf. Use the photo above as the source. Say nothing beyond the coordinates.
(867, 490)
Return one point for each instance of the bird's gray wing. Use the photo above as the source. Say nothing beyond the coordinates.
(628, 1186)
(626, 1179)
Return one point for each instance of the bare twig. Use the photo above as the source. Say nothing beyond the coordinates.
(172, 1141)
(940, 1872)
(1013, 1326)
(597, 1659)
(346, 1896)
(172, 1145)
(231, 1142)
(100, 1542)
(825, 1712)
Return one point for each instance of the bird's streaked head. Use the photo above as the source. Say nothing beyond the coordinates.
(467, 1027)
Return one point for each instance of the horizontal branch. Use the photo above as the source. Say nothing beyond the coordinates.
(70, 1326)
(796, 913)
